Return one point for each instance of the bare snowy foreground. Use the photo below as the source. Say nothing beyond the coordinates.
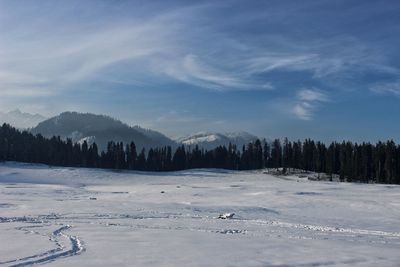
(85, 217)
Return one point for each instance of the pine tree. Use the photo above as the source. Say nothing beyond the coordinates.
(141, 160)
(179, 159)
(257, 155)
(267, 155)
(131, 156)
(276, 154)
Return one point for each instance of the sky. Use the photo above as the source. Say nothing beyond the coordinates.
(328, 70)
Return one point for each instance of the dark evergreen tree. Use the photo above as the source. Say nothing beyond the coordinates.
(141, 160)
(276, 154)
(257, 158)
(267, 155)
(179, 159)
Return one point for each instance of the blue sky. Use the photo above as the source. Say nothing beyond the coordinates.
(328, 70)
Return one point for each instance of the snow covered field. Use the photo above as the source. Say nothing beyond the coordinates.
(84, 217)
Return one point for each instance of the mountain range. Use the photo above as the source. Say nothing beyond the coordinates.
(80, 127)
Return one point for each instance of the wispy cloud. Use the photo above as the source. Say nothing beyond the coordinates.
(392, 88)
(162, 45)
(155, 46)
(335, 56)
(191, 70)
(307, 101)
(56, 61)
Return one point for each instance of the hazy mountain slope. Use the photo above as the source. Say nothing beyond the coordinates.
(20, 119)
(99, 128)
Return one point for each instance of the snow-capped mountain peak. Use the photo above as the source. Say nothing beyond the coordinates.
(20, 119)
(200, 138)
(209, 140)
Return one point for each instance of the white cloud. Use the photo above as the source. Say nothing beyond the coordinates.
(307, 101)
(302, 112)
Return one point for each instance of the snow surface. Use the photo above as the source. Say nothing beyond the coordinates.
(86, 217)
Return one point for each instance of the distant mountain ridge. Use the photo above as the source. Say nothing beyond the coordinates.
(209, 140)
(21, 120)
(81, 127)
(100, 129)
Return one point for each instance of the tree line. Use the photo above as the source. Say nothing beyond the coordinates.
(363, 162)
